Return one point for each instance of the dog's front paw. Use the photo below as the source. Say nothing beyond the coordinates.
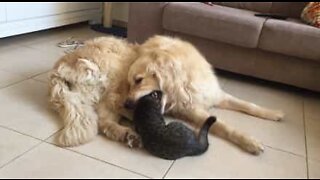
(133, 140)
(253, 146)
(273, 115)
(278, 115)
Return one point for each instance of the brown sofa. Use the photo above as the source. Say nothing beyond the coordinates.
(233, 39)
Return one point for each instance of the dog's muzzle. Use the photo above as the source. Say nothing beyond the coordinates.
(129, 104)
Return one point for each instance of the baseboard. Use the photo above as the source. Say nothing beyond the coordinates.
(119, 23)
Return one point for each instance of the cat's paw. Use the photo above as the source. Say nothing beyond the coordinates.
(133, 140)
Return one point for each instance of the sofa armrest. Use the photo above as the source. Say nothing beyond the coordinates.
(145, 20)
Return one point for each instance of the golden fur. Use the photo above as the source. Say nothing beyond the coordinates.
(190, 87)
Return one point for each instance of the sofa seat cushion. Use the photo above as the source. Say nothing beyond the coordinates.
(219, 23)
(290, 9)
(291, 37)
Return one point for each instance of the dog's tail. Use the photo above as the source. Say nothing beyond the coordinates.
(203, 135)
(78, 114)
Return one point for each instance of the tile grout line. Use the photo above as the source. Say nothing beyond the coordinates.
(165, 174)
(33, 76)
(100, 160)
(27, 78)
(28, 150)
(53, 134)
(17, 157)
(41, 81)
(12, 84)
(38, 74)
(21, 133)
(305, 137)
(45, 141)
(277, 149)
(91, 156)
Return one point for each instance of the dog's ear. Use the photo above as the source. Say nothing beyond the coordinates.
(154, 69)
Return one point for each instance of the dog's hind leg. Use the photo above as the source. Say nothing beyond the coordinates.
(197, 116)
(230, 102)
(79, 116)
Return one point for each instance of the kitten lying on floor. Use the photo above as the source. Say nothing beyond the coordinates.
(171, 141)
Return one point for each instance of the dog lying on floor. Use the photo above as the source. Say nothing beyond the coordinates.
(90, 87)
(190, 88)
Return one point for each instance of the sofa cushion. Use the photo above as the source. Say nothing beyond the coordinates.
(292, 38)
(219, 23)
(263, 7)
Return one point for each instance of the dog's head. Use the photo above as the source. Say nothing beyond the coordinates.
(143, 79)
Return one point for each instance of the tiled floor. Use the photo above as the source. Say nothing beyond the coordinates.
(28, 127)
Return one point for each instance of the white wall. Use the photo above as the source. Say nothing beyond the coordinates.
(2, 12)
(120, 11)
(19, 18)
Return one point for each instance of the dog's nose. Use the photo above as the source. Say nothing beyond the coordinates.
(129, 104)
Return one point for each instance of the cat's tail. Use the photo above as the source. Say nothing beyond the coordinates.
(203, 135)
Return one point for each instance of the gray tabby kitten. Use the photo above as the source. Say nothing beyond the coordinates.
(171, 141)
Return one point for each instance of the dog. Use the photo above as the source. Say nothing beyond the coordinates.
(190, 88)
(88, 87)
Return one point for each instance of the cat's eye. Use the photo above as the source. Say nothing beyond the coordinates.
(138, 81)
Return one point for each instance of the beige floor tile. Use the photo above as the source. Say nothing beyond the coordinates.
(42, 36)
(314, 169)
(27, 61)
(287, 134)
(136, 160)
(5, 46)
(7, 78)
(13, 144)
(48, 161)
(313, 138)
(223, 160)
(50, 45)
(312, 106)
(25, 109)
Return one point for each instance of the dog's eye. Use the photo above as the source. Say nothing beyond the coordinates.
(154, 75)
(138, 81)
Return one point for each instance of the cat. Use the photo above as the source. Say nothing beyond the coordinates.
(171, 141)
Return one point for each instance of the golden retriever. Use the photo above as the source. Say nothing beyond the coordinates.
(88, 88)
(190, 86)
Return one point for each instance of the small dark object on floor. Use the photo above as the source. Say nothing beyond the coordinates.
(171, 141)
(208, 3)
(274, 16)
(114, 30)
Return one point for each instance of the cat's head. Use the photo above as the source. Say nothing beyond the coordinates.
(156, 98)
